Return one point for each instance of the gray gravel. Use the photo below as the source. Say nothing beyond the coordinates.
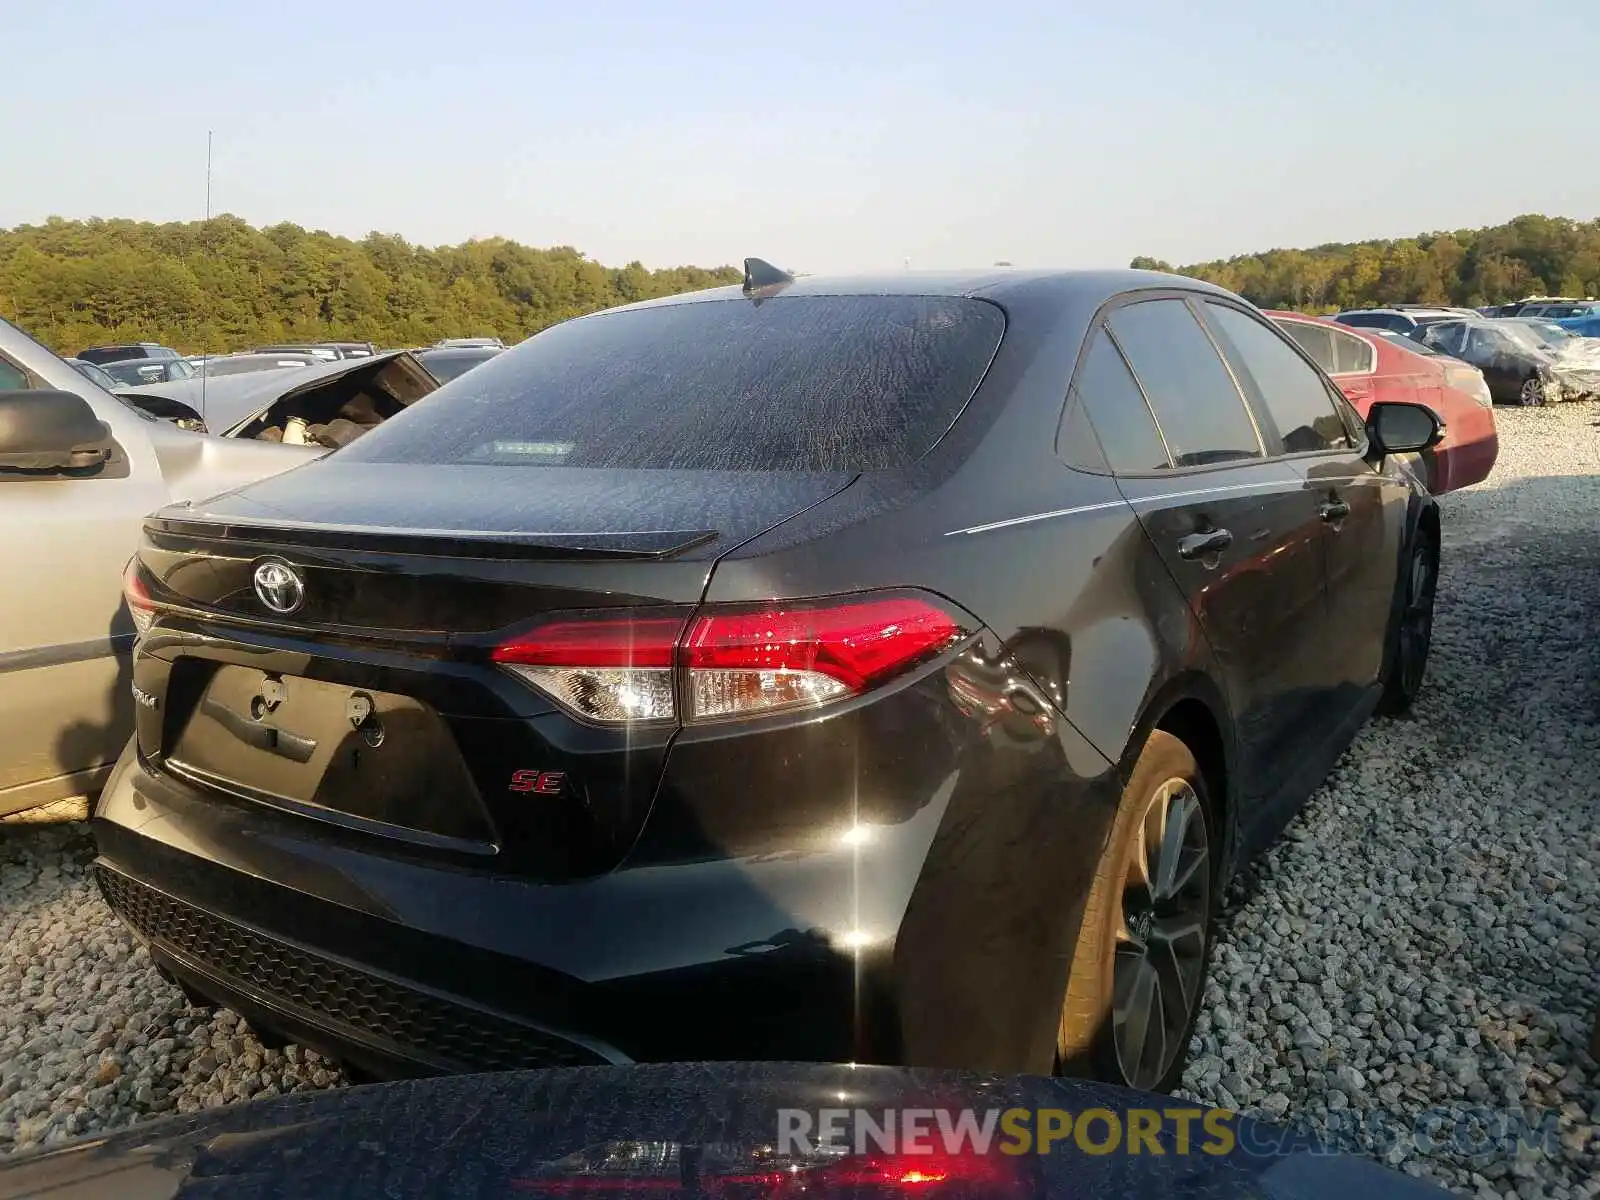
(90, 1036)
(1425, 939)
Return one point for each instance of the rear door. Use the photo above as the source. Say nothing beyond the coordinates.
(1236, 530)
(1355, 523)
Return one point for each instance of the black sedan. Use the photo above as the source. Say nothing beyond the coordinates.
(887, 670)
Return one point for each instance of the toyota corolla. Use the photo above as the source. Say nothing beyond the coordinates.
(865, 670)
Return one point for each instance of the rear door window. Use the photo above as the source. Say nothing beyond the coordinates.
(1351, 355)
(1105, 391)
(1200, 412)
(793, 383)
(1315, 340)
(1291, 391)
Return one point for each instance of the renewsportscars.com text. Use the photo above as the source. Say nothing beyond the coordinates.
(1155, 1131)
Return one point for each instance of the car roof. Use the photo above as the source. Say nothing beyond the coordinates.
(1000, 285)
(1286, 314)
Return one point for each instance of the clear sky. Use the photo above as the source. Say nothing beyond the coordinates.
(820, 135)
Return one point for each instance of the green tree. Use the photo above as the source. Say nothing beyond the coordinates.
(1528, 255)
(223, 284)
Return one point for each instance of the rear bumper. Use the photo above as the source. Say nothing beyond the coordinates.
(940, 940)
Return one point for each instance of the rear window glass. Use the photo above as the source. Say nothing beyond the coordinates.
(801, 383)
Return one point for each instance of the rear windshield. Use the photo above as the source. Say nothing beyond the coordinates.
(800, 383)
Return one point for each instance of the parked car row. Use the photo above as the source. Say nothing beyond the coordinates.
(1550, 307)
(681, 683)
(1543, 354)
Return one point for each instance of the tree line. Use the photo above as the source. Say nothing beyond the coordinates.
(1531, 255)
(222, 284)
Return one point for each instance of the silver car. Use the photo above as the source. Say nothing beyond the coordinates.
(79, 469)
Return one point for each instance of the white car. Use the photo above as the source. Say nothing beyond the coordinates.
(79, 470)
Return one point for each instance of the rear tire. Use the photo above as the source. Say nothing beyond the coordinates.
(1412, 638)
(1139, 968)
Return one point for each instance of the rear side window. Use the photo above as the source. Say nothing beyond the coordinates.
(1294, 395)
(1199, 410)
(1315, 340)
(1105, 391)
(1351, 355)
(799, 383)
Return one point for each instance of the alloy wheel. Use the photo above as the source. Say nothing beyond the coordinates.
(1416, 621)
(1161, 937)
(1532, 394)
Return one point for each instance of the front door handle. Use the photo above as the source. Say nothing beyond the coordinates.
(1208, 542)
(1333, 510)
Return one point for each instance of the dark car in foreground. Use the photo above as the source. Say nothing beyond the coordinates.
(720, 1131)
(888, 670)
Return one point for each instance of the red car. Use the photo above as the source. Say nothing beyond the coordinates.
(1372, 364)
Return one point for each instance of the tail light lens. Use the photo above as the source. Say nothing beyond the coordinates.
(611, 671)
(731, 663)
(140, 606)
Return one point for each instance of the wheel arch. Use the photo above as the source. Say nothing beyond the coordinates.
(1191, 708)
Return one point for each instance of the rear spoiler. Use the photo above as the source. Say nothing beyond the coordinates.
(442, 543)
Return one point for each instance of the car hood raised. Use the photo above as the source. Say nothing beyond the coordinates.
(228, 402)
(654, 1132)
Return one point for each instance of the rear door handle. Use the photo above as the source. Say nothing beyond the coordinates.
(1333, 510)
(1208, 542)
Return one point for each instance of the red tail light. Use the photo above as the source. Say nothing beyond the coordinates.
(140, 606)
(732, 663)
(797, 657)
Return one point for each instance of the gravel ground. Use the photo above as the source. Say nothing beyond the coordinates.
(1425, 939)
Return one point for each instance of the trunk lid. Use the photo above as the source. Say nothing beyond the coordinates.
(373, 705)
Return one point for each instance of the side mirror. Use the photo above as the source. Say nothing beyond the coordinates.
(51, 431)
(1398, 428)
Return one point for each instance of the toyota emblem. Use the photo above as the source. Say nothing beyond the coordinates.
(279, 586)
